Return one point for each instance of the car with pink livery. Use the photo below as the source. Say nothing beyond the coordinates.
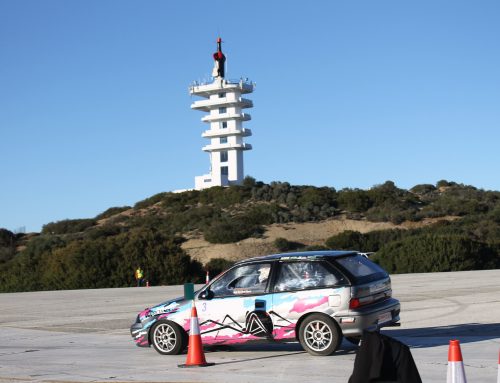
(316, 298)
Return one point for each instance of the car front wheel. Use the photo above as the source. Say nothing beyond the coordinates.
(319, 335)
(168, 338)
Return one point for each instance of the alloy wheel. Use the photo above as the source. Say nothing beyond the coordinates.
(165, 337)
(318, 335)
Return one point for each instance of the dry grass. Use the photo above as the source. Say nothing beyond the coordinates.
(309, 233)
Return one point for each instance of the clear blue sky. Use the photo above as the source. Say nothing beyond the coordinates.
(95, 110)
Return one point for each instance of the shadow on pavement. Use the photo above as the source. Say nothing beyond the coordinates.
(259, 358)
(416, 338)
(441, 335)
(289, 348)
(259, 346)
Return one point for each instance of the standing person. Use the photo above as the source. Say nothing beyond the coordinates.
(220, 59)
(139, 274)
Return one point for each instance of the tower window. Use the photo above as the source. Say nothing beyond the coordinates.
(223, 124)
(222, 110)
(223, 157)
(223, 140)
(222, 95)
(224, 170)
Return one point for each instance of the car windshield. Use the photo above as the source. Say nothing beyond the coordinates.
(361, 268)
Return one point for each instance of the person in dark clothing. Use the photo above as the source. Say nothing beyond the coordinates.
(381, 358)
(220, 60)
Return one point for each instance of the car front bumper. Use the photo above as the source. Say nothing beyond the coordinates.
(140, 335)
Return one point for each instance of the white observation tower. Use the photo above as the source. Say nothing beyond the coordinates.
(222, 99)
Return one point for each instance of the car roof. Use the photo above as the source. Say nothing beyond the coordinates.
(302, 254)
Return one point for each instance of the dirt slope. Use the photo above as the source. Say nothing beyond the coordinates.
(309, 233)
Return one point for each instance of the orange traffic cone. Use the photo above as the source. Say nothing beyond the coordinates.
(498, 377)
(147, 283)
(456, 372)
(207, 278)
(195, 356)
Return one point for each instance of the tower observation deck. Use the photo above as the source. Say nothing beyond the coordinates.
(222, 100)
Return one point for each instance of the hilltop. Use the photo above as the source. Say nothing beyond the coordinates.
(174, 236)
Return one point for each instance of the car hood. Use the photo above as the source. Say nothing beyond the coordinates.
(167, 307)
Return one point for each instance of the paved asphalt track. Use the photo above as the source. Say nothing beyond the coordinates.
(83, 336)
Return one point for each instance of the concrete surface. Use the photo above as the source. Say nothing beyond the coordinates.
(83, 336)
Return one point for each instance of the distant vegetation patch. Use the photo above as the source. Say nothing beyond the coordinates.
(80, 253)
(284, 245)
(68, 226)
(217, 265)
(429, 252)
(111, 212)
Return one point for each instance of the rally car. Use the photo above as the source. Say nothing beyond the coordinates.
(315, 298)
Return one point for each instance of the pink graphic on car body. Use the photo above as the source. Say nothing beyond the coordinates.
(145, 313)
(208, 325)
(307, 304)
(284, 332)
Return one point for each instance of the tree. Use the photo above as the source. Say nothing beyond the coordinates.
(8, 242)
(354, 200)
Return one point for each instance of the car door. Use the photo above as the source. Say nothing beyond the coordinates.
(301, 287)
(233, 308)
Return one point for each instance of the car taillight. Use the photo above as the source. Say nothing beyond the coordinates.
(358, 302)
(354, 303)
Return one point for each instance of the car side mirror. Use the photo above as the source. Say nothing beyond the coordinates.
(206, 294)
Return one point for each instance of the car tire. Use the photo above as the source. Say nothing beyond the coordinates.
(168, 338)
(319, 335)
(353, 340)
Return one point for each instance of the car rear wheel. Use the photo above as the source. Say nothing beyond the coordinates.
(168, 338)
(319, 335)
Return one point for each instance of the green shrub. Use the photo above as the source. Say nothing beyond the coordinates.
(393, 213)
(423, 189)
(217, 265)
(102, 261)
(150, 201)
(354, 200)
(347, 240)
(68, 226)
(249, 182)
(431, 253)
(444, 183)
(230, 230)
(224, 196)
(283, 245)
(107, 230)
(23, 272)
(8, 241)
(367, 242)
(111, 211)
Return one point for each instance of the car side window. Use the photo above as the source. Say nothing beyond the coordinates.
(243, 280)
(305, 275)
